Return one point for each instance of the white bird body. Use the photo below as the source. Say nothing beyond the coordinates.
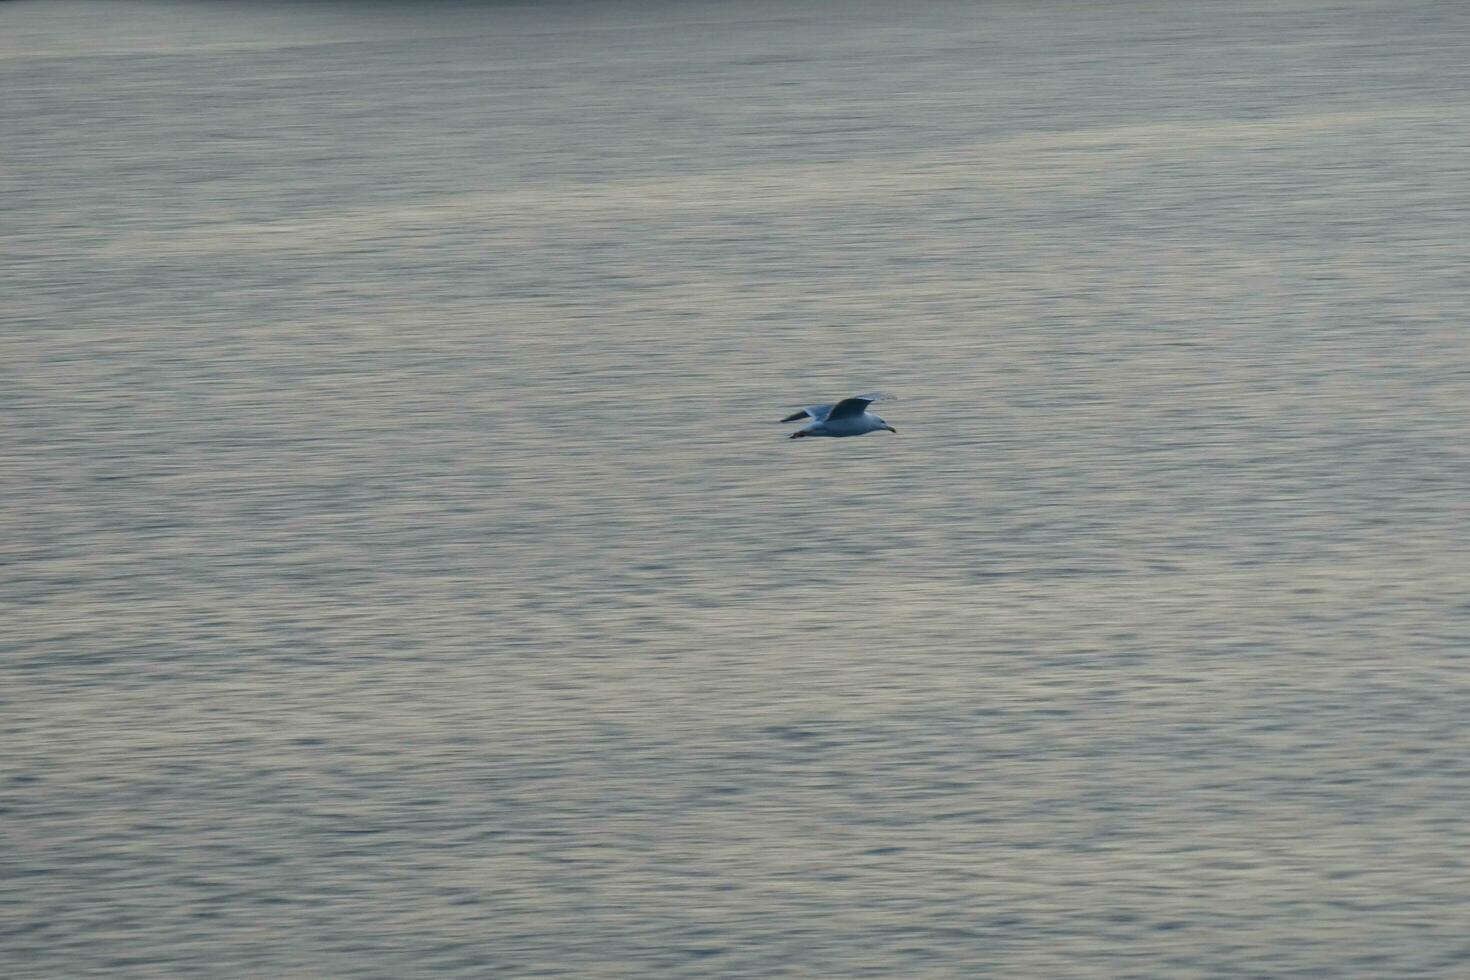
(849, 417)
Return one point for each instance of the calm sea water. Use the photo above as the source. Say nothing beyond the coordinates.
(404, 573)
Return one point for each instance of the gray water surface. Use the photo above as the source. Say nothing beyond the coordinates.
(404, 574)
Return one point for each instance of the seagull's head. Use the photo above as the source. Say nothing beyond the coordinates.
(885, 425)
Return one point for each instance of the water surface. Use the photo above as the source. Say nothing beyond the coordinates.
(404, 574)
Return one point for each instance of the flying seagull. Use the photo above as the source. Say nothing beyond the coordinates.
(849, 417)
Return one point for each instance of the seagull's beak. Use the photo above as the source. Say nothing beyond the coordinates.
(891, 429)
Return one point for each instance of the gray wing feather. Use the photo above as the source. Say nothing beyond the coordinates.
(856, 405)
(818, 412)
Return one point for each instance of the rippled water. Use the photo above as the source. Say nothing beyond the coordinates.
(404, 573)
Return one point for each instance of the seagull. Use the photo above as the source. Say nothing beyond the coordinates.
(849, 417)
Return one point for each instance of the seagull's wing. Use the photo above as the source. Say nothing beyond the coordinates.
(856, 405)
(817, 412)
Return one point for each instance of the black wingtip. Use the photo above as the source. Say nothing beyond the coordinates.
(798, 415)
